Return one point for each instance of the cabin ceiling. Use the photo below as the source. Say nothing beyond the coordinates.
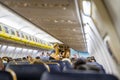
(56, 17)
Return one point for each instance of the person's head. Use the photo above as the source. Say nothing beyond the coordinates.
(56, 45)
(42, 53)
(29, 58)
(24, 58)
(93, 59)
(48, 54)
(73, 60)
(38, 58)
(5, 59)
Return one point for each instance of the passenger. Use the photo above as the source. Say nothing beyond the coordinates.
(80, 64)
(1, 64)
(30, 59)
(37, 58)
(42, 56)
(55, 54)
(24, 59)
(88, 67)
(73, 60)
(5, 59)
(92, 61)
(47, 56)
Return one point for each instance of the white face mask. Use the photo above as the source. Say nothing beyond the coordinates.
(4, 61)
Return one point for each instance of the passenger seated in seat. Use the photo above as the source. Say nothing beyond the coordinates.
(92, 61)
(37, 60)
(30, 59)
(24, 59)
(5, 59)
(88, 67)
(80, 64)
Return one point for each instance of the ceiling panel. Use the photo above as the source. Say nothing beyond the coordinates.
(57, 17)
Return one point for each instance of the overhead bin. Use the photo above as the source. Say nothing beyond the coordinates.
(8, 33)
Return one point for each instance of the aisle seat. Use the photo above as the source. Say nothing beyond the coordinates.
(4, 75)
(62, 64)
(54, 67)
(76, 76)
(28, 71)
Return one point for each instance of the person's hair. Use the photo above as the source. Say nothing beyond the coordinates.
(93, 58)
(24, 58)
(37, 57)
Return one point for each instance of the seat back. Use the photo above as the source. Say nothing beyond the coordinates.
(5, 75)
(28, 71)
(54, 67)
(68, 65)
(76, 76)
(22, 62)
(62, 64)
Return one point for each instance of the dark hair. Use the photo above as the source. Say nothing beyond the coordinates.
(37, 57)
(24, 58)
(93, 58)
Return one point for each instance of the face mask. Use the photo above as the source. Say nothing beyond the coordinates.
(4, 61)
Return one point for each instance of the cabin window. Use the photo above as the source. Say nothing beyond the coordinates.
(6, 29)
(29, 37)
(22, 36)
(35, 39)
(0, 28)
(39, 41)
(42, 42)
(17, 33)
(32, 38)
(26, 37)
(12, 32)
(107, 43)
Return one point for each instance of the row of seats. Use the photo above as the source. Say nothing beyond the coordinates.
(28, 71)
(76, 76)
(59, 76)
(4, 75)
(53, 70)
(25, 71)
